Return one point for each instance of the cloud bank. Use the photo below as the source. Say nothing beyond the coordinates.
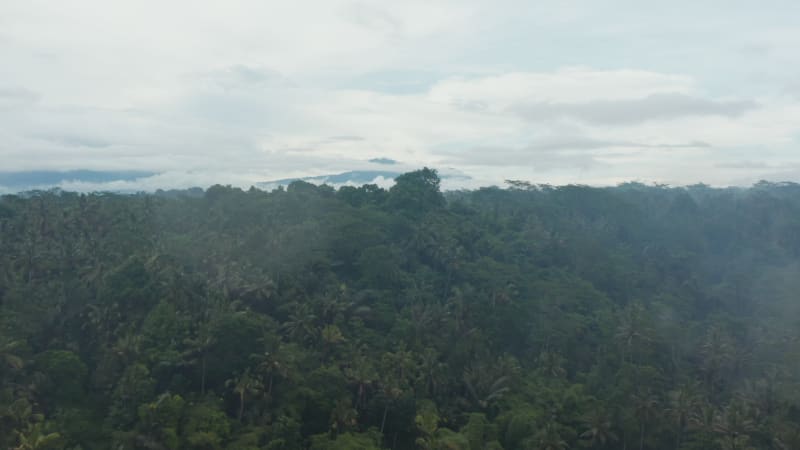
(247, 91)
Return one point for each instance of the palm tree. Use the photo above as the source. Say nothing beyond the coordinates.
(716, 352)
(631, 329)
(787, 437)
(763, 393)
(36, 438)
(483, 386)
(270, 364)
(8, 353)
(702, 420)
(397, 370)
(362, 374)
(400, 362)
(458, 307)
(343, 417)
(301, 325)
(733, 425)
(551, 364)
(333, 307)
(550, 439)
(101, 320)
(430, 371)
(426, 317)
(682, 402)
(598, 431)
(20, 413)
(197, 353)
(127, 347)
(243, 385)
(646, 408)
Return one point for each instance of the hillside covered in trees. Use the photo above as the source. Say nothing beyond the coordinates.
(532, 317)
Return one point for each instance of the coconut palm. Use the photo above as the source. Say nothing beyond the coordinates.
(361, 373)
(343, 417)
(682, 402)
(270, 365)
(483, 387)
(196, 354)
(430, 371)
(732, 424)
(549, 438)
(645, 405)
(631, 329)
(244, 385)
(716, 353)
(702, 421)
(301, 325)
(36, 438)
(598, 431)
(9, 354)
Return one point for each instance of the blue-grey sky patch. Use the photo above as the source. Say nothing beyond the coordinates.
(74, 140)
(345, 139)
(744, 165)
(627, 112)
(16, 97)
(241, 76)
(400, 82)
(384, 161)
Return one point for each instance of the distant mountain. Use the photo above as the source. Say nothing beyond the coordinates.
(355, 177)
(45, 179)
(358, 177)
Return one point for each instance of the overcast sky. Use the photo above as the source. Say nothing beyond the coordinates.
(594, 92)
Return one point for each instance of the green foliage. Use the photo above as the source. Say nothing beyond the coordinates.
(347, 441)
(535, 317)
(65, 375)
(134, 388)
(206, 427)
(416, 193)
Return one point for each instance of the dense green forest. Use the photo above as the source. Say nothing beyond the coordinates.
(527, 317)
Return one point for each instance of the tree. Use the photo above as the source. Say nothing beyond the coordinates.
(732, 424)
(65, 375)
(632, 329)
(715, 352)
(483, 387)
(682, 402)
(431, 436)
(35, 437)
(134, 387)
(645, 405)
(459, 320)
(598, 429)
(431, 371)
(8, 354)
(362, 374)
(244, 385)
(549, 438)
(301, 325)
(416, 193)
(346, 441)
(197, 353)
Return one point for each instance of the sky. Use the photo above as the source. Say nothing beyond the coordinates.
(592, 92)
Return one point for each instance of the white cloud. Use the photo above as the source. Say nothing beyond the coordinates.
(262, 90)
(569, 85)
